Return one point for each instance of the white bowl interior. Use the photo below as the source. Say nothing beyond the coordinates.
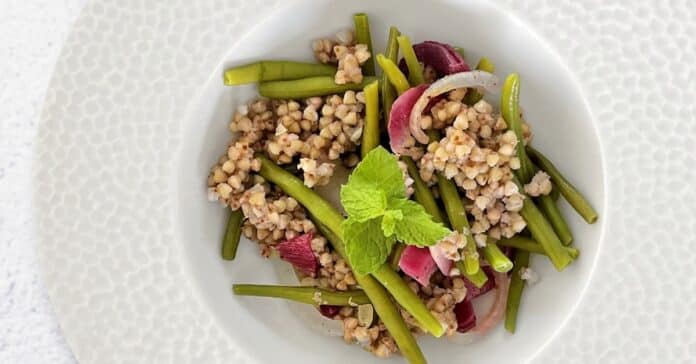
(272, 330)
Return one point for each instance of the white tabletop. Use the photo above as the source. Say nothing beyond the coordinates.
(31, 37)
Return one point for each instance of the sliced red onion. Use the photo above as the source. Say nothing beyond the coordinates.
(440, 56)
(418, 264)
(466, 317)
(485, 80)
(399, 118)
(472, 291)
(329, 311)
(497, 310)
(298, 252)
(442, 262)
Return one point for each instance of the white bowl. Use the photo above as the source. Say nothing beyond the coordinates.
(275, 331)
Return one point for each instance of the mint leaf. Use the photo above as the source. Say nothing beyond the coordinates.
(378, 171)
(366, 246)
(363, 204)
(389, 220)
(417, 227)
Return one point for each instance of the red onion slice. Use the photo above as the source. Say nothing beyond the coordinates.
(298, 251)
(485, 80)
(472, 291)
(418, 264)
(399, 118)
(497, 311)
(442, 262)
(466, 317)
(440, 56)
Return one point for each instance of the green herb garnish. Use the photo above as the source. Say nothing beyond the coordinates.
(379, 213)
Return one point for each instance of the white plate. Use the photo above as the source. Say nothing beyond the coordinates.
(136, 114)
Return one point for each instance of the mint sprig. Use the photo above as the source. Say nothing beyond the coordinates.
(379, 213)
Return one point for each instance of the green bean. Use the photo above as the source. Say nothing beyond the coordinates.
(509, 105)
(422, 192)
(386, 309)
(274, 71)
(408, 300)
(554, 192)
(309, 295)
(457, 217)
(553, 214)
(370, 137)
(542, 231)
(478, 279)
(396, 255)
(394, 74)
(525, 243)
(473, 95)
(459, 50)
(499, 261)
(415, 71)
(388, 91)
(308, 87)
(569, 192)
(510, 110)
(233, 231)
(536, 221)
(331, 219)
(515, 291)
(362, 35)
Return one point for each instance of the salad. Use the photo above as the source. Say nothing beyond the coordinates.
(445, 200)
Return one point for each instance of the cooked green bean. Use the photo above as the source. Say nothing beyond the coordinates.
(554, 192)
(509, 105)
(274, 71)
(553, 214)
(473, 95)
(370, 137)
(569, 192)
(515, 291)
(233, 231)
(309, 295)
(499, 261)
(542, 231)
(388, 91)
(422, 192)
(415, 71)
(308, 87)
(478, 279)
(525, 243)
(457, 217)
(396, 255)
(403, 295)
(394, 74)
(362, 35)
(392, 51)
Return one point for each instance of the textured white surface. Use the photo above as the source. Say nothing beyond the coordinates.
(31, 35)
(638, 307)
